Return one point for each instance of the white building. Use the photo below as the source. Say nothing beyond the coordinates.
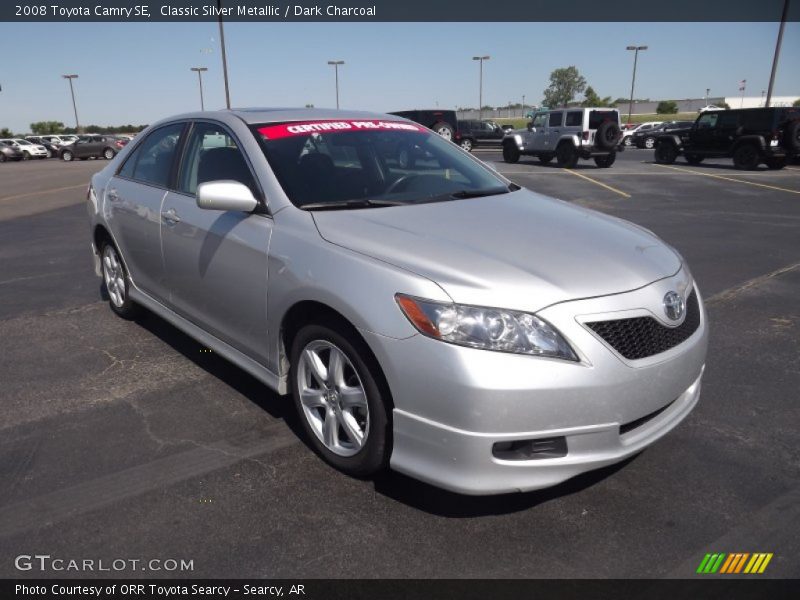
(756, 101)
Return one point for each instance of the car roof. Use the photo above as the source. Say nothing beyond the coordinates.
(278, 115)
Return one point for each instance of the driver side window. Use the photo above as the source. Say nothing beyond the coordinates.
(213, 155)
(540, 120)
(707, 121)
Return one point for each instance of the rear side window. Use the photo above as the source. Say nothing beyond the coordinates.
(598, 117)
(555, 119)
(758, 120)
(728, 120)
(151, 162)
(575, 118)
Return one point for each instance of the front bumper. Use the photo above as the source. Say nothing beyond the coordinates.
(453, 404)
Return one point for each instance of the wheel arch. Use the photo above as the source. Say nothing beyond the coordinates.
(305, 312)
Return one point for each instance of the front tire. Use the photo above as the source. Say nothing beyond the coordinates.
(510, 153)
(746, 157)
(26, 155)
(117, 282)
(108, 154)
(566, 156)
(67, 155)
(341, 407)
(466, 144)
(776, 164)
(650, 143)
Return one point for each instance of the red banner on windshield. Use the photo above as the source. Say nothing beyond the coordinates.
(274, 132)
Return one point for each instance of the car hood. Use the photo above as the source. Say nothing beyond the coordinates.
(519, 250)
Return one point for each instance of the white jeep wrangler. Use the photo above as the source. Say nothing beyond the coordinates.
(567, 134)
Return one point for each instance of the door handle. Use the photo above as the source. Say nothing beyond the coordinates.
(170, 216)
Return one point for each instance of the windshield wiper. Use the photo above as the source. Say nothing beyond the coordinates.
(351, 203)
(479, 193)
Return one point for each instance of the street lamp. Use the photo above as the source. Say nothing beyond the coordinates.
(480, 84)
(777, 51)
(224, 56)
(72, 92)
(336, 64)
(633, 80)
(200, 79)
(708, 91)
(523, 106)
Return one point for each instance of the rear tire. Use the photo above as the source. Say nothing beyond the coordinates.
(693, 159)
(605, 162)
(444, 130)
(2, 157)
(26, 155)
(108, 154)
(746, 157)
(776, 164)
(566, 155)
(666, 153)
(510, 153)
(117, 282)
(466, 144)
(627, 142)
(650, 143)
(331, 409)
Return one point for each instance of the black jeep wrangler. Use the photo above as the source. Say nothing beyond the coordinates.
(750, 136)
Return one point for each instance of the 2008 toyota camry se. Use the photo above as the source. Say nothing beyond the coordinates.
(424, 312)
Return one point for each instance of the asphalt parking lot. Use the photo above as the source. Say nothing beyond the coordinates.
(126, 440)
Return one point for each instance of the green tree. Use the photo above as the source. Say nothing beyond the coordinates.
(565, 84)
(667, 107)
(796, 103)
(593, 99)
(5, 132)
(43, 127)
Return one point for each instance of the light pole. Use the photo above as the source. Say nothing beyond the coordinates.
(523, 107)
(708, 91)
(762, 96)
(336, 64)
(742, 87)
(200, 79)
(777, 51)
(480, 84)
(633, 80)
(224, 56)
(72, 92)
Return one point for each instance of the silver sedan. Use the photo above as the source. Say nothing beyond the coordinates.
(423, 312)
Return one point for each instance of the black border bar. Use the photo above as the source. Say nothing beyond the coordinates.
(447, 11)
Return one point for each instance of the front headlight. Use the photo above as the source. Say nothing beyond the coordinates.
(485, 328)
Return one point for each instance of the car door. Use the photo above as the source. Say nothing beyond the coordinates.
(539, 132)
(726, 131)
(134, 196)
(704, 132)
(81, 147)
(216, 261)
(553, 130)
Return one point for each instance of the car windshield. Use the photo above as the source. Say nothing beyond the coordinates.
(24, 142)
(358, 164)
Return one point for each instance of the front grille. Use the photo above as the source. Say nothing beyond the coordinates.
(641, 337)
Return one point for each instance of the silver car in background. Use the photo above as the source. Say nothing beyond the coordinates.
(424, 314)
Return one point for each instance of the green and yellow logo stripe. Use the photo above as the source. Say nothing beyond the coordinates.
(735, 562)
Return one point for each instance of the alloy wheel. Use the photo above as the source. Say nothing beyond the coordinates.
(114, 276)
(333, 398)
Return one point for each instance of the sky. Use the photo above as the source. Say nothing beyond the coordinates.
(139, 72)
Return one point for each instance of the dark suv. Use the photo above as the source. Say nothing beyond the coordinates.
(750, 136)
(443, 122)
(473, 133)
(92, 146)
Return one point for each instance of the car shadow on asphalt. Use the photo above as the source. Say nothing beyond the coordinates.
(581, 166)
(443, 503)
(714, 167)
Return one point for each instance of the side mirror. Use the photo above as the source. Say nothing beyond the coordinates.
(226, 195)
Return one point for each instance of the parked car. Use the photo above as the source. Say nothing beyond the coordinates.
(473, 133)
(92, 146)
(9, 152)
(647, 138)
(437, 318)
(567, 135)
(443, 122)
(627, 134)
(69, 138)
(28, 149)
(50, 145)
(751, 136)
(710, 107)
